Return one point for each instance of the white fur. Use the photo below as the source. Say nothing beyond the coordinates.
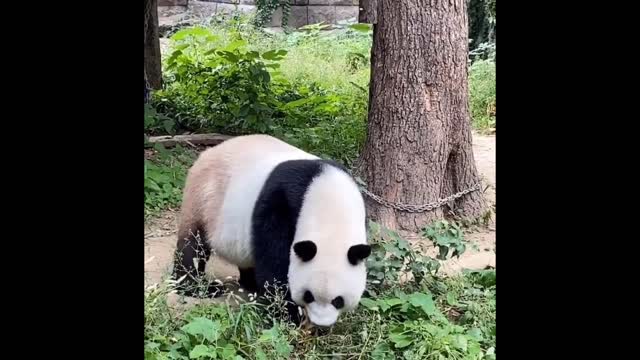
(333, 217)
(247, 174)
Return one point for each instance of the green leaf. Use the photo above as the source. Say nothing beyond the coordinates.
(260, 355)
(401, 340)
(200, 351)
(423, 301)
(451, 298)
(476, 334)
(268, 335)
(461, 342)
(149, 184)
(369, 304)
(274, 55)
(228, 352)
(297, 103)
(195, 32)
(229, 56)
(394, 302)
(204, 327)
(381, 351)
(235, 45)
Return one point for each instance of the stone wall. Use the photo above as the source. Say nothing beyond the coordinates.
(303, 12)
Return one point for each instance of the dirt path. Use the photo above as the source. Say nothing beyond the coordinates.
(160, 233)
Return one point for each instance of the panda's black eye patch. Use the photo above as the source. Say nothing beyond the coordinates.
(308, 297)
(305, 250)
(338, 302)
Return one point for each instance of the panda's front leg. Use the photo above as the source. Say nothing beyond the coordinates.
(192, 254)
(272, 280)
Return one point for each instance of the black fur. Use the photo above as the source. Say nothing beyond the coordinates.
(248, 280)
(308, 297)
(358, 253)
(193, 246)
(338, 302)
(306, 250)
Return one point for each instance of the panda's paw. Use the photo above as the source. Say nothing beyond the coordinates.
(295, 313)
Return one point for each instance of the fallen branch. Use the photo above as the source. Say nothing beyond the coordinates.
(193, 139)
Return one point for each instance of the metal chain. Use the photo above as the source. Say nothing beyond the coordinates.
(420, 208)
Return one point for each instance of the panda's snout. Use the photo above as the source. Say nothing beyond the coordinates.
(322, 315)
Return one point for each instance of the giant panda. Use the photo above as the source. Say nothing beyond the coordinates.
(282, 216)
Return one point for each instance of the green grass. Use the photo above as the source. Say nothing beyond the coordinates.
(428, 317)
(482, 94)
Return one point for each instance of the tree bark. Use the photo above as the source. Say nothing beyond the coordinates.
(152, 60)
(418, 146)
(368, 11)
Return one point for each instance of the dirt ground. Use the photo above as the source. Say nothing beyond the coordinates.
(160, 233)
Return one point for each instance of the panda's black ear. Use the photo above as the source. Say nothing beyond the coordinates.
(358, 253)
(305, 250)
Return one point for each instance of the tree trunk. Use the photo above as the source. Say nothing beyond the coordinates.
(367, 12)
(418, 146)
(152, 62)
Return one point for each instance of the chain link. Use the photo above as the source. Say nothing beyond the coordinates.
(419, 208)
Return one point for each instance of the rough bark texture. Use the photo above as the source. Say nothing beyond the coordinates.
(368, 11)
(152, 64)
(418, 146)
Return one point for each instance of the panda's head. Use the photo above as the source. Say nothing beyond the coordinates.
(327, 273)
(327, 285)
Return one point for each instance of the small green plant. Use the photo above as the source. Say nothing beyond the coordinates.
(392, 258)
(164, 176)
(155, 123)
(447, 236)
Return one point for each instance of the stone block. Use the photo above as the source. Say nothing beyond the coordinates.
(231, 8)
(298, 16)
(326, 14)
(276, 18)
(203, 9)
(330, 2)
(346, 13)
(172, 2)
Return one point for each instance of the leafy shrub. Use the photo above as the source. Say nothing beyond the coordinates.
(156, 123)
(225, 86)
(221, 87)
(164, 177)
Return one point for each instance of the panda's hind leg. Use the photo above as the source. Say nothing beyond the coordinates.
(192, 254)
(248, 280)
